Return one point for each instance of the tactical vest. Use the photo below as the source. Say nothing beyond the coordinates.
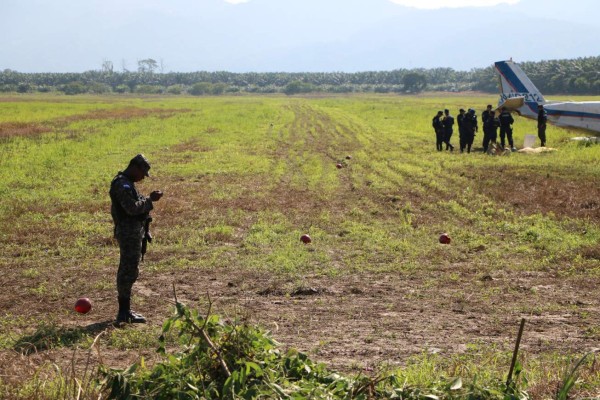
(118, 213)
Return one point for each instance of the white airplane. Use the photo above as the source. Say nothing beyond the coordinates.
(520, 94)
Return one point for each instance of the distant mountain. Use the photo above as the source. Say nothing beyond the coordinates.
(290, 36)
(457, 38)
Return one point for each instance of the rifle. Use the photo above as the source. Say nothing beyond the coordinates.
(147, 236)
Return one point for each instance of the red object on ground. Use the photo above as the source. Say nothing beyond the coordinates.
(444, 238)
(305, 239)
(83, 305)
(338, 165)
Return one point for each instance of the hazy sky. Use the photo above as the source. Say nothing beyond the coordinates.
(291, 35)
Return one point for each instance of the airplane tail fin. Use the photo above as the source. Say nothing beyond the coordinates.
(514, 83)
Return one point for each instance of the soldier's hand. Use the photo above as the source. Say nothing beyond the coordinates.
(156, 195)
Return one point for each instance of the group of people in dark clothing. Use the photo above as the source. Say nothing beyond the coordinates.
(443, 124)
(491, 123)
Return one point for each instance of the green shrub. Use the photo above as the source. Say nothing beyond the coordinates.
(201, 88)
(24, 88)
(297, 87)
(175, 89)
(230, 360)
(73, 88)
(44, 89)
(122, 89)
(98, 88)
(148, 89)
(8, 88)
(218, 88)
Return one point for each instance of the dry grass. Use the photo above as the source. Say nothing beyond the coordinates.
(12, 129)
(24, 129)
(123, 114)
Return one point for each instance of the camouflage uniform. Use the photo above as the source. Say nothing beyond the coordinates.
(129, 210)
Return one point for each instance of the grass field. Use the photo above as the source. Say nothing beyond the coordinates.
(244, 178)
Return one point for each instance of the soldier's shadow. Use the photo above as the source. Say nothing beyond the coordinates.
(49, 336)
(96, 328)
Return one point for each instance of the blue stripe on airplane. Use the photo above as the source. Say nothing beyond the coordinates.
(533, 106)
(511, 77)
(575, 114)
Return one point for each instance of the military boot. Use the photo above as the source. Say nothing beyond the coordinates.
(136, 318)
(125, 315)
(122, 315)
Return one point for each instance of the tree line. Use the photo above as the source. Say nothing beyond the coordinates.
(579, 76)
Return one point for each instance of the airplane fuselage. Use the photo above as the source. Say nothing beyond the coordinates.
(585, 114)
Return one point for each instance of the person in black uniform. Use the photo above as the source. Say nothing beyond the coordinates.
(484, 117)
(490, 126)
(506, 131)
(541, 124)
(461, 129)
(470, 125)
(448, 122)
(438, 127)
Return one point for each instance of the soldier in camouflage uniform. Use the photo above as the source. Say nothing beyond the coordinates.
(130, 211)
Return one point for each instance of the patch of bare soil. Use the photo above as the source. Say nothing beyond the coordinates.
(372, 319)
(353, 324)
(123, 113)
(11, 129)
(541, 192)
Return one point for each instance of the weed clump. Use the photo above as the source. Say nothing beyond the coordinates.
(228, 360)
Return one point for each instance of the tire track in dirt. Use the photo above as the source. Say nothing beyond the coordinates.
(312, 133)
(410, 188)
